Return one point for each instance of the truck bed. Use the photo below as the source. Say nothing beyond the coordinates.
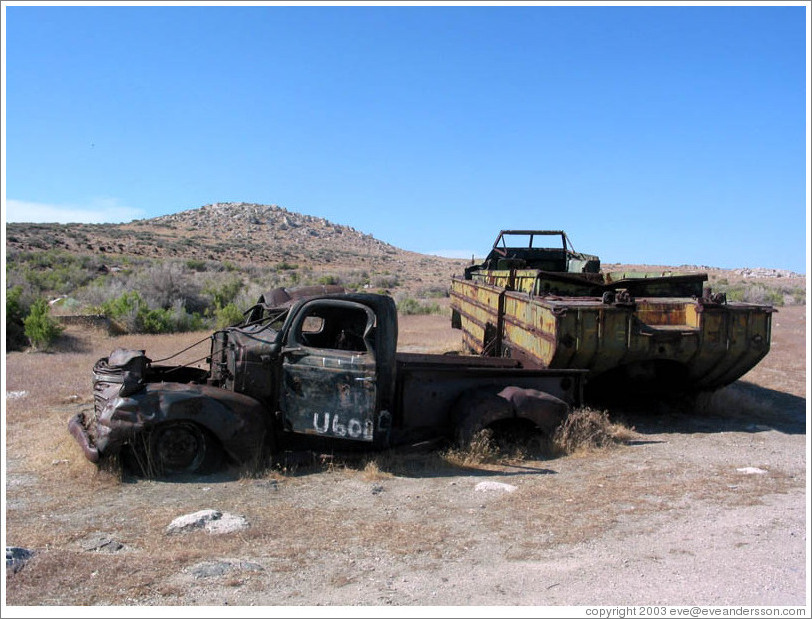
(427, 385)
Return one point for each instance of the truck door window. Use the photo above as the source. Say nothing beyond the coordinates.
(334, 328)
(312, 326)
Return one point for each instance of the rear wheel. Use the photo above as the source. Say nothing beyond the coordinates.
(477, 409)
(512, 407)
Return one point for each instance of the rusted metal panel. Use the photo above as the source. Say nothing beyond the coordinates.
(330, 371)
(645, 322)
(428, 391)
(716, 345)
(330, 396)
(126, 406)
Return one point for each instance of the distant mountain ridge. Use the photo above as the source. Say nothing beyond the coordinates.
(269, 235)
(241, 233)
(220, 231)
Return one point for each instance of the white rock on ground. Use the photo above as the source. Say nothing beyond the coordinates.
(751, 470)
(486, 486)
(212, 520)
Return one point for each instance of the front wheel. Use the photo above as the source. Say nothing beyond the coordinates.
(178, 447)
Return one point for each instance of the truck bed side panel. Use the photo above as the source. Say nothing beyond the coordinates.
(429, 385)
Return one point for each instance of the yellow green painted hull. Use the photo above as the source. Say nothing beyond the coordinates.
(701, 344)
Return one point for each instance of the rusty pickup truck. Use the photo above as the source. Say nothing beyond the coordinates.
(317, 365)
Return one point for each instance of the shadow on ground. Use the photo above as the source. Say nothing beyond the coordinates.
(740, 407)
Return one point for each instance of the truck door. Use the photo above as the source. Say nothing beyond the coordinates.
(329, 373)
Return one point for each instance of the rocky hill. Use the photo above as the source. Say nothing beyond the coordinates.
(225, 231)
(238, 233)
(269, 236)
(242, 234)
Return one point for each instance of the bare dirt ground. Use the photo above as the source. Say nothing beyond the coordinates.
(705, 506)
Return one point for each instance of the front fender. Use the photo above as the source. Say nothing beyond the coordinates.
(238, 421)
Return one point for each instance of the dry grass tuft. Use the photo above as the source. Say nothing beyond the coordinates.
(388, 464)
(481, 449)
(502, 444)
(372, 472)
(587, 429)
(584, 430)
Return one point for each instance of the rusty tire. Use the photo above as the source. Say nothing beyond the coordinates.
(477, 409)
(183, 447)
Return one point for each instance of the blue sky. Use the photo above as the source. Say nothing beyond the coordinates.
(651, 134)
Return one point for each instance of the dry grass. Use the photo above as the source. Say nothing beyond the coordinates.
(587, 429)
(372, 472)
(584, 431)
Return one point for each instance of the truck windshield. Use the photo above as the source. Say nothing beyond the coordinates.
(535, 239)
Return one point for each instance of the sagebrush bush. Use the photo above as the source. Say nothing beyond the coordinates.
(40, 328)
(410, 306)
(228, 316)
(223, 293)
(164, 283)
(15, 317)
(133, 314)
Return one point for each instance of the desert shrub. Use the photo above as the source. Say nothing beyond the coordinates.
(133, 314)
(758, 292)
(52, 271)
(774, 297)
(223, 294)
(164, 283)
(356, 280)
(227, 316)
(154, 321)
(99, 291)
(185, 321)
(386, 281)
(327, 280)
(733, 293)
(124, 304)
(410, 306)
(15, 317)
(433, 292)
(40, 328)
(249, 294)
(124, 310)
(194, 264)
